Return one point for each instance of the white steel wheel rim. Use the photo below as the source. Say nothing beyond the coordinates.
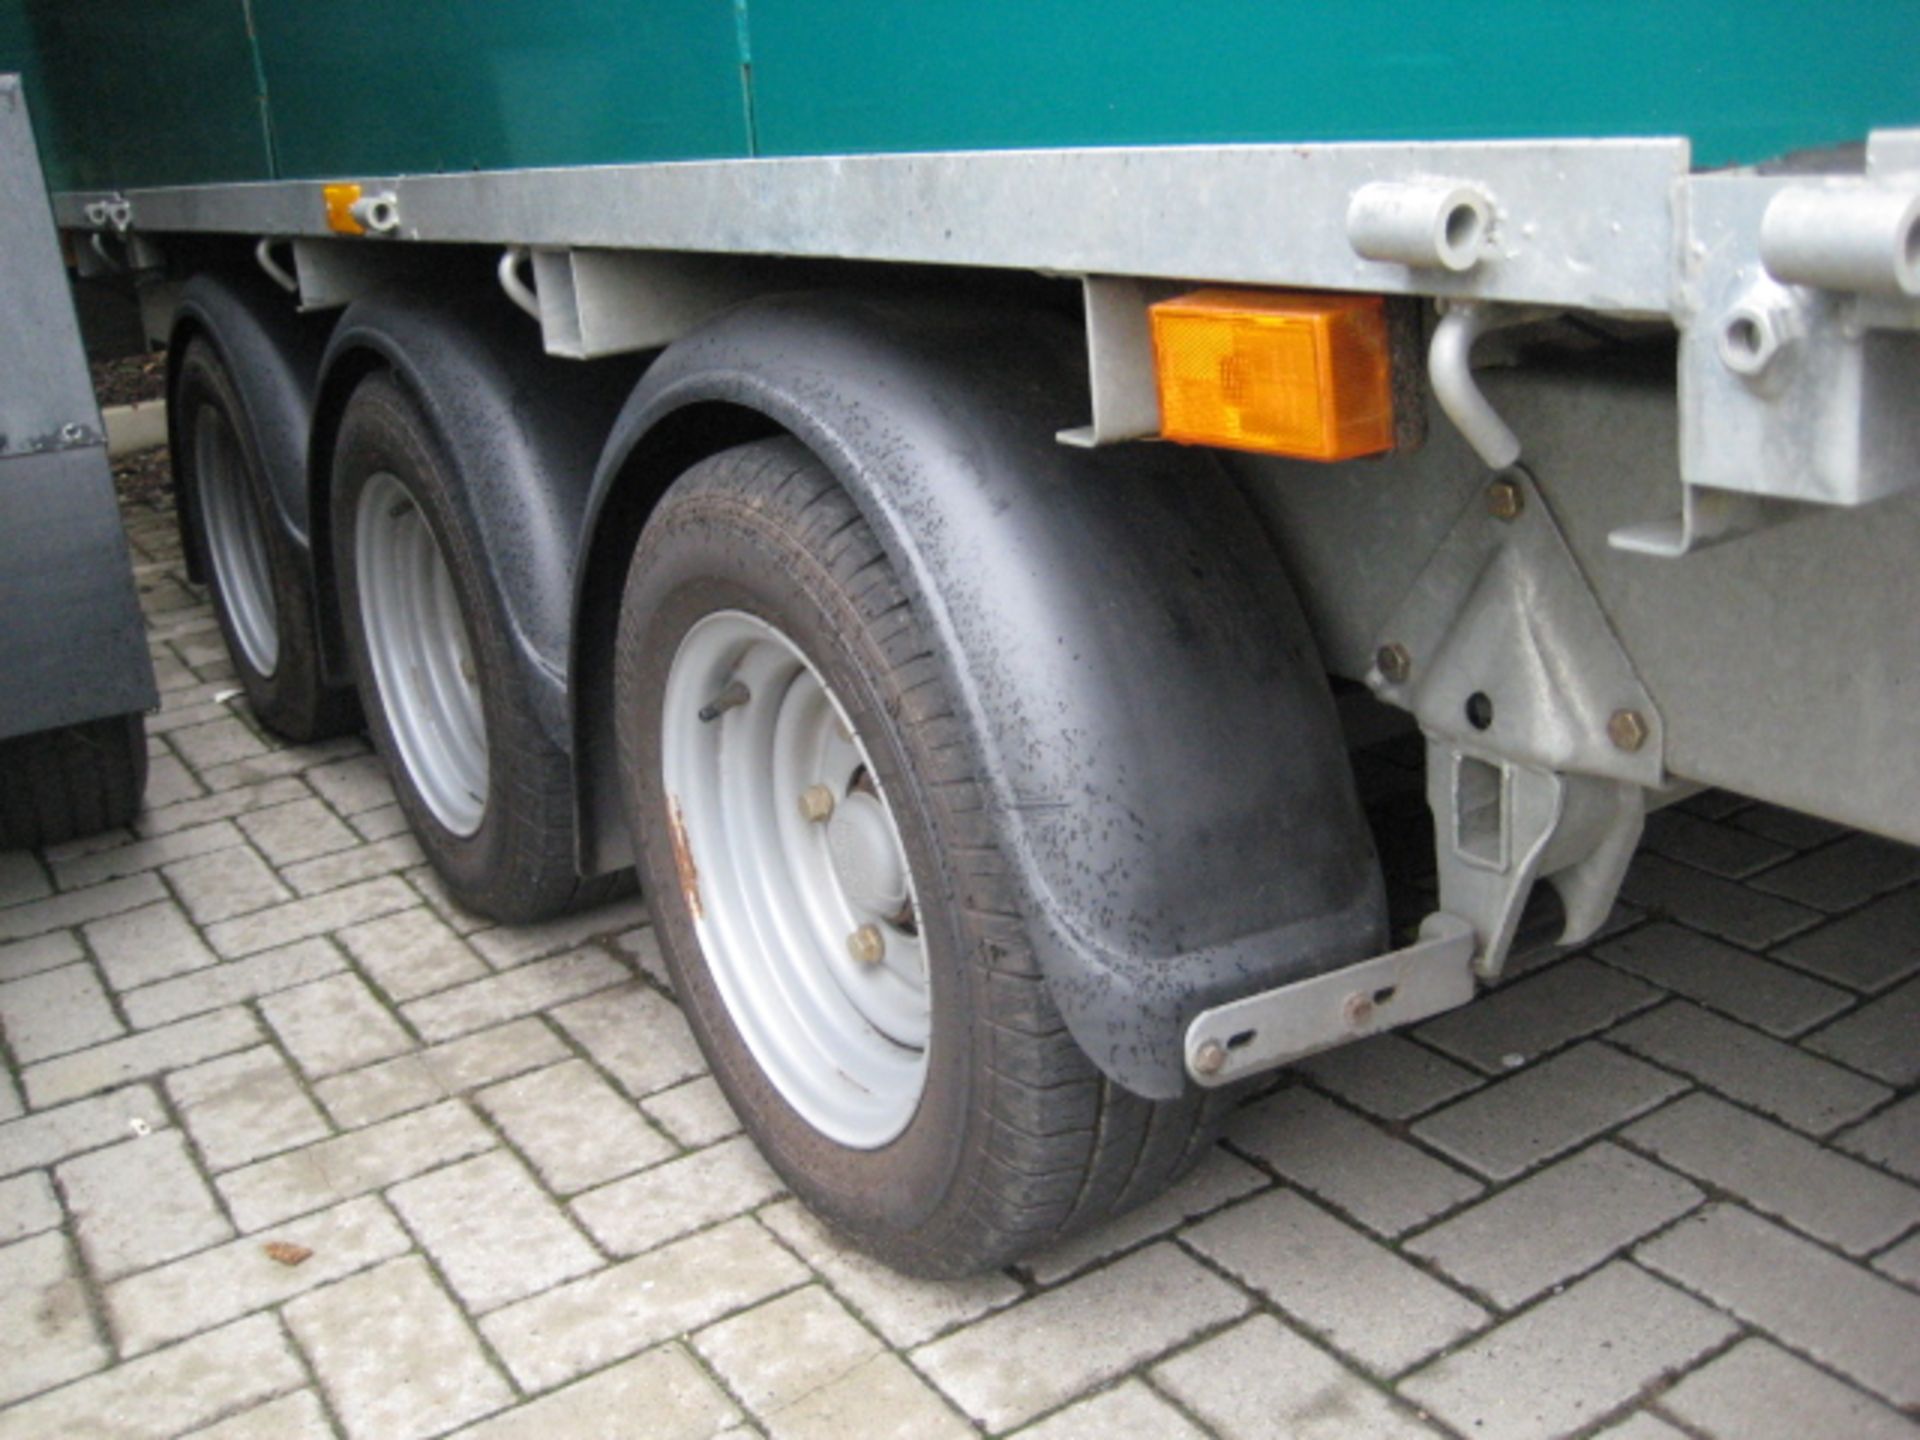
(777, 898)
(421, 655)
(236, 543)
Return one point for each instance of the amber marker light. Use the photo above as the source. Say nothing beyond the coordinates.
(1278, 372)
(340, 202)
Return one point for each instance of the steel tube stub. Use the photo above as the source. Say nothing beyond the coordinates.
(1430, 224)
(1865, 241)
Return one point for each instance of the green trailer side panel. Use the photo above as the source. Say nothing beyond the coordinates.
(1745, 79)
(375, 86)
(158, 93)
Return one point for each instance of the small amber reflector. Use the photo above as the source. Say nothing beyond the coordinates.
(340, 200)
(1284, 373)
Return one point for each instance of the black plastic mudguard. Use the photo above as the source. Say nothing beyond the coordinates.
(1165, 768)
(522, 431)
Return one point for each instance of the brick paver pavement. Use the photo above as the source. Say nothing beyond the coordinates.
(290, 1147)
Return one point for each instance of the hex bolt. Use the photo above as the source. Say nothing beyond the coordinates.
(867, 945)
(72, 433)
(1394, 662)
(1358, 1011)
(816, 804)
(1210, 1058)
(1505, 500)
(1627, 729)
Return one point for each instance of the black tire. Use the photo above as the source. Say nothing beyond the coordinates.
(58, 785)
(292, 697)
(1017, 1139)
(518, 864)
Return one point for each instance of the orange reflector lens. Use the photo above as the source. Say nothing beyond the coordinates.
(1301, 374)
(340, 201)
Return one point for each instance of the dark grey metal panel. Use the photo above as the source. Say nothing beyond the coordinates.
(71, 644)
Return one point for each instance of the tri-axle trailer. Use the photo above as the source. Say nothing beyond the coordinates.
(859, 471)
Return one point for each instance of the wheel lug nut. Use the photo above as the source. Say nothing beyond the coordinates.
(867, 945)
(816, 803)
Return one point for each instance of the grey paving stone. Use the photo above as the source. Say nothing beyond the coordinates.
(52, 1135)
(1788, 827)
(47, 1335)
(380, 822)
(513, 945)
(638, 1038)
(169, 782)
(1259, 1381)
(1706, 902)
(459, 919)
(1010, 1367)
(1891, 1138)
(1530, 1017)
(1129, 1411)
(642, 946)
(1842, 1315)
(634, 1305)
(164, 819)
(1879, 1037)
(292, 1417)
(334, 1024)
(1758, 1391)
(148, 944)
(1806, 1092)
(394, 1355)
(1867, 950)
(300, 919)
(218, 742)
(1218, 1180)
(150, 1052)
(905, 1311)
(661, 1395)
(1546, 1110)
(1847, 873)
(883, 1399)
(1780, 1172)
(77, 907)
(1384, 1183)
(1642, 1426)
(538, 986)
(410, 1082)
(574, 1127)
(695, 1114)
(245, 1107)
(232, 983)
(778, 1352)
(1709, 845)
(495, 1236)
(21, 878)
(27, 1206)
(54, 1012)
(1359, 1296)
(666, 1202)
(166, 1393)
(238, 1278)
(347, 867)
(297, 831)
(11, 1105)
(21, 958)
(1902, 1262)
(1388, 1076)
(412, 954)
(1570, 1360)
(138, 1204)
(353, 785)
(221, 886)
(339, 1169)
(1779, 1000)
(134, 856)
(1556, 1223)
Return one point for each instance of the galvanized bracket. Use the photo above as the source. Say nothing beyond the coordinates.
(1126, 399)
(594, 303)
(1290, 1022)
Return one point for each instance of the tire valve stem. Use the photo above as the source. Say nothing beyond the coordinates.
(731, 698)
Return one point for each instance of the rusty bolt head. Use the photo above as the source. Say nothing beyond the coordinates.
(1627, 729)
(816, 803)
(1505, 500)
(1394, 662)
(1210, 1058)
(867, 945)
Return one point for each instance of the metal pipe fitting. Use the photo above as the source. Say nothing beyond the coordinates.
(1450, 368)
(1429, 224)
(1864, 240)
(518, 291)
